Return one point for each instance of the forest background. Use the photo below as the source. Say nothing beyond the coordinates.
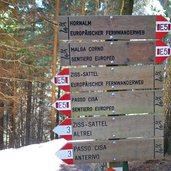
(28, 46)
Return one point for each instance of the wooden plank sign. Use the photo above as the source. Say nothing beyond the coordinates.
(115, 53)
(109, 151)
(112, 27)
(110, 103)
(110, 78)
(103, 128)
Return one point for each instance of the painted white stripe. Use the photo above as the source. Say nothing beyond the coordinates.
(62, 80)
(63, 130)
(164, 51)
(118, 168)
(163, 26)
(63, 104)
(65, 154)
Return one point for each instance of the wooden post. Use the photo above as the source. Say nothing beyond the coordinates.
(83, 8)
(167, 107)
(55, 48)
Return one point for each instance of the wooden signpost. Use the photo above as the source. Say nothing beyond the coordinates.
(110, 78)
(110, 53)
(103, 128)
(110, 151)
(112, 27)
(110, 103)
(126, 102)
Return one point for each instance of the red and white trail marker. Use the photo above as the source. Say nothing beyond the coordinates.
(115, 169)
(64, 129)
(162, 27)
(62, 80)
(63, 105)
(66, 154)
(163, 51)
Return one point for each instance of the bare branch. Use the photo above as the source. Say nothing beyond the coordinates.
(26, 80)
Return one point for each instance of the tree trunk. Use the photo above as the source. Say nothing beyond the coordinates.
(11, 125)
(55, 48)
(119, 7)
(40, 116)
(1, 124)
(28, 113)
(167, 107)
(83, 8)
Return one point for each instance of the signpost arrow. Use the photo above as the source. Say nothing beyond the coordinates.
(113, 27)
(111, 127)
(109, 151)
(66, 154)
(162, 27)
(107, 53)
(62, 79)
(163, 51)
(64, 129)
(115, 169)
(109, 103)
(63, 105)
(110, 78)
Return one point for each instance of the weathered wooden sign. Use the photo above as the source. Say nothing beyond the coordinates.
(102, 128)
(109, 151)
(112, 27)
(110, 78)
(113, 53)
(110, 103)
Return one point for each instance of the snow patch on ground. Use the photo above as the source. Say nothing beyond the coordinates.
(36, 157)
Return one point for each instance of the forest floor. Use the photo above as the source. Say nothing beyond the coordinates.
(153, 165)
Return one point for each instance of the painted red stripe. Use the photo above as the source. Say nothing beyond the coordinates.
(66, 80)
(160, 35)
(55, 80)
(68, 161)
(66, 112)
(65, 71)
(67, 121)
(160, 18)
(65, 88)
(67, 104)
(160, 43)
(68, 146)
(160, 59)
(111, 169)
(56, 104)
(66, 137)
(66, 97)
